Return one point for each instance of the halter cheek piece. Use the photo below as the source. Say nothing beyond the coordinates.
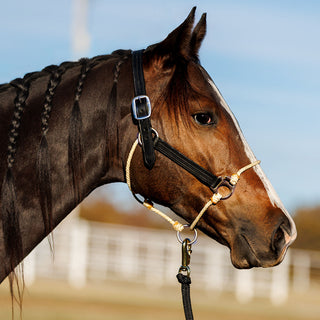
(150, 141)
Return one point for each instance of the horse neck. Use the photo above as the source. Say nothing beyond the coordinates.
(94, 139)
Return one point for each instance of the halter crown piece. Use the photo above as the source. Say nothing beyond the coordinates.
(150, 141)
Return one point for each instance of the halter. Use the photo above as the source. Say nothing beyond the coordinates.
(150, 141)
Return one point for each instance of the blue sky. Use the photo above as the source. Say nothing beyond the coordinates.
(263, 55)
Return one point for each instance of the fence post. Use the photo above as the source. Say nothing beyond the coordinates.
(154, 273)
(214, 268)
(79, 231)
(244, 285)
(30, 268)
(128, 255)
(280, 282)
(173, 260)
(301, 271)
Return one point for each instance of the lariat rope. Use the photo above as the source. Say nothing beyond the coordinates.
(216, 197)
(177, 226)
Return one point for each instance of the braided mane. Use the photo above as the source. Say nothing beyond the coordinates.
(9, 209)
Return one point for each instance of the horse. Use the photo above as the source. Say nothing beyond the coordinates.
(69, 128)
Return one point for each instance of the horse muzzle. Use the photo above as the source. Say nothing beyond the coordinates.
(250, 248)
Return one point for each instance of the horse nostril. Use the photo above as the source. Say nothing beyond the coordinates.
(278, 240)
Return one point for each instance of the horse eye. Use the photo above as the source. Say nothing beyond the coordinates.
(203, 119)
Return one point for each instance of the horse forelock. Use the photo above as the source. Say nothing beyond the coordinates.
(177, 95)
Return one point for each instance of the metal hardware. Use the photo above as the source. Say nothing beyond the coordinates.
(186, 254)
(154, 131)
(139, 114)
(225, 182)
(195, 237)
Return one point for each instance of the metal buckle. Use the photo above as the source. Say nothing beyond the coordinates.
(136, 112)
(225, 182)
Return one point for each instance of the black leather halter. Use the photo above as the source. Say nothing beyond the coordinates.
(141, 112)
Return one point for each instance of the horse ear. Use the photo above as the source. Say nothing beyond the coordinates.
(198, 35)
(177, 43)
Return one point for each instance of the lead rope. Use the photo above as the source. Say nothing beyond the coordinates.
(184, 279)
(183, 275)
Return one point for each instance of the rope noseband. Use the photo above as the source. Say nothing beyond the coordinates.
(216, 197)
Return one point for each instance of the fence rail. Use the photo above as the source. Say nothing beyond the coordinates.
(87, 252)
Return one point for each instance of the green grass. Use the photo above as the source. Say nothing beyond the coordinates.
(53, 300)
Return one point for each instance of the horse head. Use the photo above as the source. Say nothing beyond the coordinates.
(190, 114)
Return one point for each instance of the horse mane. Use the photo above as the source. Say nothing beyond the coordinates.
(179, 82)
(9, 209)
(66, 65)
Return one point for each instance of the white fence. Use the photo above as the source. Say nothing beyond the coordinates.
(87, 252)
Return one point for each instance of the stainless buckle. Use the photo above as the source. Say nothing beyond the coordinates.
(134, 107)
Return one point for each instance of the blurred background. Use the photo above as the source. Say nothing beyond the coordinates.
(120, 264)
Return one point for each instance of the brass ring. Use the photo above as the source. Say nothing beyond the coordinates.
(195, 238)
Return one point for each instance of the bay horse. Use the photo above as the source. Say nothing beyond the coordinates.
(68, 129)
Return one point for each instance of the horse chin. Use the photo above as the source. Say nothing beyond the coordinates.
(243, 262)
(242, 255)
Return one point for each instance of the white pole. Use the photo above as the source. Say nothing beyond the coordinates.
(301, 271)
(214, 268)
(80, 36)
(280, 282)
(244, 285)
(79, 233)
(30, 268)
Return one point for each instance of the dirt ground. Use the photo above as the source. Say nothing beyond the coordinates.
(54, 300)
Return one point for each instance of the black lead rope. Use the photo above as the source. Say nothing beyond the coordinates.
(185, 291)
(185, 279)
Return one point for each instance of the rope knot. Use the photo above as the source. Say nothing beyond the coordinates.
(216, 197)
(183, 279)
(148, 204)
(234, 179)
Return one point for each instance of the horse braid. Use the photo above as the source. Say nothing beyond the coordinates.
(9, 209)
(43, 159)
(75, 149)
